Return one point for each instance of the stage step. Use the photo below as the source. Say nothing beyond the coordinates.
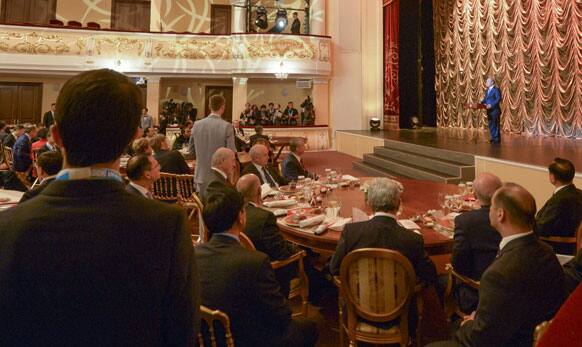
(432, 152)
(373, 170)
(409, 170)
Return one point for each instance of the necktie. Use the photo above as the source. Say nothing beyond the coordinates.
(268, 177)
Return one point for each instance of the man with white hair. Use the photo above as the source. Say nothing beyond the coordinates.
(383, 231)
(492, 101)
(259, 166)
(223, 165)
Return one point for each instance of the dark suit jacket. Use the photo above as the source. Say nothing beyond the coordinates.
(241, 283)
(522, 288)
(296, 27)
(9, 141)
(561, 214)
(253, 139)
(29, 194)
(48, 119)
(292, 168)
(131, 189)
(251, 169)
(385, 232)
(21, 154)
(85, 263)
(493, 98)
(172, 162)
(573, 272)
(262, 229)
(213, 182)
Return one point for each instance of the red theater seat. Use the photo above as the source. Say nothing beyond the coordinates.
(74, 24)
(56, 22)
(93, 25)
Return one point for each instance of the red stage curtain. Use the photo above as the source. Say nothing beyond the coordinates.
(531, 47)
(391, 92)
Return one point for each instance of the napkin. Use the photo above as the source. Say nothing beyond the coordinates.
(312, 221)
(280, 212)
(349, 178)
(267, 190)
(408, 224)
(338, 223)
(280, 203)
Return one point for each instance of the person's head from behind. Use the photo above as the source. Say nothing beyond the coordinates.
(384, 195)
(249, 186)
(31, 130)
(159, 143)
(485, 185)
(297, 146)
(49, 164)
(224, 160)
(259, 154)
(224, 212)
(561, 172)
(42, 133)
(18, 130)
(141, 146)
(489, 82)
(217, 104)
(259, 130)
(513, 210)
(92, 104)
(143, 169)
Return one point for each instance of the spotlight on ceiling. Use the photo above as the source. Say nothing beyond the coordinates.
(261, 21)
(281, 20)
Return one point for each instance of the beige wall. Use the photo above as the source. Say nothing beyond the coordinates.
(189, 90)
(85, 11)
(279, 92)
(50, 87)
(356, 145)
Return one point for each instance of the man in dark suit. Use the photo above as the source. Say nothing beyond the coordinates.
(296, 25)
(22, 150)
(86, 263)
(223, 166)
(48, 166)
(292, 164)
(142, 171)
(241, 283)
(291, 113)
(12, 135)
(48, 118)
(258, 135)
(476, 242)
(259, 166)
(562, 213)
(525, 284)
(170, 161)
(492, 101)
(383, 231)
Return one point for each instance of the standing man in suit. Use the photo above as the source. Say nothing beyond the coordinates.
(223, 166)
(170, 161)
(146, 120)
(492, 101)
(296, 25)
(241, 283)
(292, 164)
(86, 263)
(22, 150)
(476, 243)
(142, 171)
(562, 213)
(208, 135)
(259, 166)
(291, 114)
(48, 118)
(48, 166)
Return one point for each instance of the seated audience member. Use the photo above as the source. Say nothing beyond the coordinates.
(566, 327)
(141, 146)
(277, 115)
(239, 137)
(182, 141)
(86, 263)
(223, 165)
(142, 171)
(12, 135)
(48, 165)
(264, 116)
(259, 166)
(292, 164)
(262, 229)
(170, 161)
(383, 231)
(573, 272)
(246, 114)
(150, 132)
(241, 283)
(42, 135)
(476, 242)
(22, 150)
(258, 135)
(50, 145)
(525, 284)
(562, 213)
(291, 114)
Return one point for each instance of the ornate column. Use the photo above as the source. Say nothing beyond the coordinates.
(320, 96)
(153, 97)
(238, 19)
(317, 21)
(155, 15)
(391, 88)
(239, 96)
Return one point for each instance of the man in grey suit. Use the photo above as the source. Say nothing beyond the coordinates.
(208, 135)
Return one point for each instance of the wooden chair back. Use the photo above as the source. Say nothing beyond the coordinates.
(454, 280)
(196, 214)
(166, 188)
(186, 188)
(564, 240)
(8, 157)
(377, 285)
(210, 321)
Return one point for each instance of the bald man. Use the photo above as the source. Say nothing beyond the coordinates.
(475, 241)
(223, 165)
(259, 166)
(523, 286)
(262, 229)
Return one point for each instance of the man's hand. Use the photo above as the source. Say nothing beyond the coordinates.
(468, 318)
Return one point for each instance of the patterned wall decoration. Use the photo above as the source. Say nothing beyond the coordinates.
(533, 50)
(84, 11)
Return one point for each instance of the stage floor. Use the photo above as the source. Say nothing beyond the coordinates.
(525, 149)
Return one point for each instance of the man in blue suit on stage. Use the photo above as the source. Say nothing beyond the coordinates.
(492, 101)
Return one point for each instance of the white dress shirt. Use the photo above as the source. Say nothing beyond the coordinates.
(507, 239)
(385, 214)
(141, 189)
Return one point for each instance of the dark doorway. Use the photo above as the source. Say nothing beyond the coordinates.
(28, 11)
(20, 102)
(131, 15)
(220, 19)
(226, 92)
